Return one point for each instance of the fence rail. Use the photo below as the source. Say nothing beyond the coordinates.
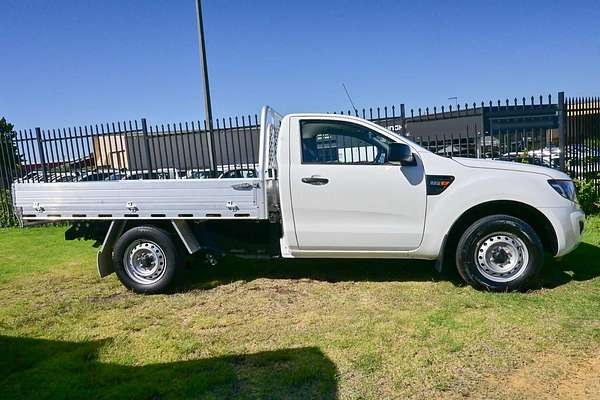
(564, 134)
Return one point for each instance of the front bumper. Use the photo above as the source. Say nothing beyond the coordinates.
(568, 224)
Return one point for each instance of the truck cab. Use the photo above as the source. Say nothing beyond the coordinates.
(343, 194)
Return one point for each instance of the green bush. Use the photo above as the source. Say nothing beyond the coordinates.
(588, 196)
(7, 218)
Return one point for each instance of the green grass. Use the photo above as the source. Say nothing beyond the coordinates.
(291, 329)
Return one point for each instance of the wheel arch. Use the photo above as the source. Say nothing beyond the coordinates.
(178, 229)
(532, 216)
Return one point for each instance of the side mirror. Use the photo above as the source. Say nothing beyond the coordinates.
(401, 153)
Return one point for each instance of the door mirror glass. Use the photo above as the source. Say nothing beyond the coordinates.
(400, 153)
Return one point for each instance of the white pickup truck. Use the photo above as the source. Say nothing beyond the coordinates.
(326, 186)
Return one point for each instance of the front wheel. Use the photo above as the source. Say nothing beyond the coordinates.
(145, 259)
(499, 253)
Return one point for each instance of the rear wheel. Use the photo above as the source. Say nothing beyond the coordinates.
(145, 259)
(499, 253)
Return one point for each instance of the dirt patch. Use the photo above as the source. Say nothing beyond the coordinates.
(554, 376)
(584, 382)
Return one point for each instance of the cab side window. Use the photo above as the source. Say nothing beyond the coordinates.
(337, 142)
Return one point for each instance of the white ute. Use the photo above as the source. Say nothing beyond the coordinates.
(326, 186)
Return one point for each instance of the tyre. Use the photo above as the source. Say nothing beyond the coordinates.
(145, 259)
(499, 253)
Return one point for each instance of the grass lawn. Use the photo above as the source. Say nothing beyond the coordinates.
(291, 329)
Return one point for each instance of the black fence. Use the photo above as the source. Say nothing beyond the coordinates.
(521, 130)
(562, 134)
(582, 142)
(132, 150)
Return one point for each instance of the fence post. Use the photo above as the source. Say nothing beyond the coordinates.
(38, 136)
(147, 147)
(562, 129)
(210, 142)
(402, 120)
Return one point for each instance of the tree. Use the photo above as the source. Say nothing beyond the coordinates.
(10, 159)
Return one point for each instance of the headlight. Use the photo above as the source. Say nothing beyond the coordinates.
(565, 188)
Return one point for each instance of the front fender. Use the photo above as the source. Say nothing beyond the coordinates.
(473, 187)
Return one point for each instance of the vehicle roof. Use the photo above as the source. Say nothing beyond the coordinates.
(325, 115)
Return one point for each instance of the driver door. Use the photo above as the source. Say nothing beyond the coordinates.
(346, 196)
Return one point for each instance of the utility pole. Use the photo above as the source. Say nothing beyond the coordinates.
(207, 106)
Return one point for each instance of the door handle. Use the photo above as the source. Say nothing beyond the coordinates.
(244, 186)
(316, 180)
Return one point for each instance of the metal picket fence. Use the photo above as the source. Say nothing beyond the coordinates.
(582, 143)
(562, 134)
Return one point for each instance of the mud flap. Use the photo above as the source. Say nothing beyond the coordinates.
(439, 263)
(104, 257)
(186, 235)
